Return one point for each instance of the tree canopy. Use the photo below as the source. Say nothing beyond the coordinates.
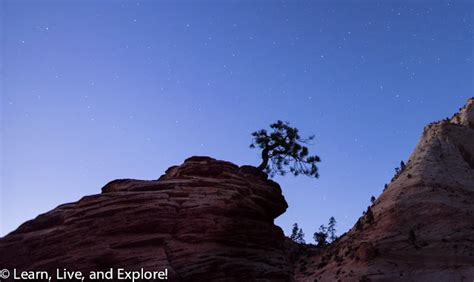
(321, 236)
(283, 151)
(297, 234)
(326, 235)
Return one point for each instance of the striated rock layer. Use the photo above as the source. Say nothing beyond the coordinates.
(422, 226)
(209, 220)
(203, 220)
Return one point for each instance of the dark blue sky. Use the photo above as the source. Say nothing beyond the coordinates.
(98, 90)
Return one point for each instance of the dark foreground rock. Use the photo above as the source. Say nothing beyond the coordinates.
(204, 220)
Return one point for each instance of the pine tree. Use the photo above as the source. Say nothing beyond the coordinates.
(372, 200)
(294, 232)
(331, 231)
(321, 236)
(300, 237)
(297, 234)
(402, 166)
(283, 148)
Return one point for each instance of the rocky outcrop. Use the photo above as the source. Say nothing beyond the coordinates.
(422, 226)
(203, 220)
(465, 116)
(209, 220)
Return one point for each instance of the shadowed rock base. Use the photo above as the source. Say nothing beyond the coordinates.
(203, 220)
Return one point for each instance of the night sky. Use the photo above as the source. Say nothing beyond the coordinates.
(93, 91)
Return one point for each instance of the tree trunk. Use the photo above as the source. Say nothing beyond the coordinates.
(265, 159)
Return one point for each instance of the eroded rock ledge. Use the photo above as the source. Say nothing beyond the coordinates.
(203, 220)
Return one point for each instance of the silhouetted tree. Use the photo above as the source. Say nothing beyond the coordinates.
(372, 200)
(297, 234)
(331, 231)
(321, 236)
(294, 232)
(300, 237)
(402, 166)
(399, 170)
(283, 147)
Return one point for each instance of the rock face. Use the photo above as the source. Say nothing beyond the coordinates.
(203, 220)
(209, 220)
(465, 115)
(422, 226)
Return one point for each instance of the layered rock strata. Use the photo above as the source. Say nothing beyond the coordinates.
(422, 226)
(203, 220)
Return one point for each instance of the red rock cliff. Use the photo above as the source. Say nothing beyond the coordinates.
(203, 220)
(422, 228)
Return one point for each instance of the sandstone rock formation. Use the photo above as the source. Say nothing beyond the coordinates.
(204, 220)
(209, 220)
(465, 115)
(423, 223)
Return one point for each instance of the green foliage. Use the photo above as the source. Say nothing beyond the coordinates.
(283, 148)
(297, 234)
